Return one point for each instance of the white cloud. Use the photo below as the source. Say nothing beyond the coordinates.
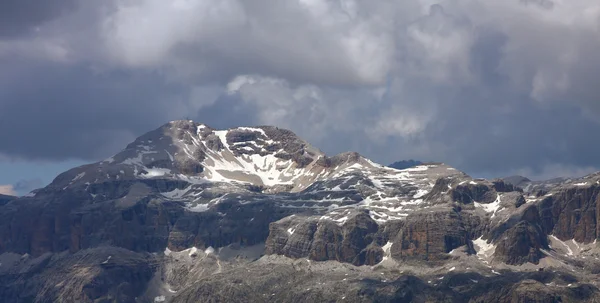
(7, 190)
(306, 40)
(144, 33)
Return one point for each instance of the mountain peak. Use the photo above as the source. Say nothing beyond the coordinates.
(263, 159)
(264, 156)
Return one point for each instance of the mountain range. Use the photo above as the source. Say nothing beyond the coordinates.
(188, 213)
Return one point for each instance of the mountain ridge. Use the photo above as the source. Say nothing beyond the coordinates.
(187, 213)
(262, 156)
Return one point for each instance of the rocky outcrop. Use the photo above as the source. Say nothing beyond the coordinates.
(520, 238)
(526, 291)
(131, 215)
(293, 147)
(513, 200)
(533, 291)
(430, 235)
(104, 274)
(504, 187)
(465, 190)
(521, 243)
(274, 278)
(571, 212)
(517, 180)
(321, 240)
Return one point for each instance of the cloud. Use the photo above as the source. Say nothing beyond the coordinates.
(492, 87)
(27, 185)
(7, 190)
(199, 38)
(54, 111)
(18, 17)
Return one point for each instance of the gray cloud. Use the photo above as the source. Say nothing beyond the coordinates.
(21, 17)
(55, 112)
(490, 87)
(27, 185)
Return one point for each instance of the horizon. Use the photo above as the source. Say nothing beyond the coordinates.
(54, 169)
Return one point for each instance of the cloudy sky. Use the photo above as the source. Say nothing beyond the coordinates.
(491, 87)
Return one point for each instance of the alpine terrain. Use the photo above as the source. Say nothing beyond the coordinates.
(188, 213)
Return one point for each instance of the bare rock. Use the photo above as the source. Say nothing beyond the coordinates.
(325, 240)
(430, 235)
(571, 213)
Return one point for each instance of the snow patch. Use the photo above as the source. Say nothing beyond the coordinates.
(198, 208)
(79, 176)
(484, 250)
(176, 193)
(170, 156)
(155, 172)
(490, 207)
(569, 250)
(420, 193)
(417, 168)
(387, 251)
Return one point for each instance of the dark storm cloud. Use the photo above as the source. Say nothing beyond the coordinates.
(19, 17)
(492, 87)
(55, 111)
(512, 135)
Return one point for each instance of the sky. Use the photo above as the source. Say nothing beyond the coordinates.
(493, 88)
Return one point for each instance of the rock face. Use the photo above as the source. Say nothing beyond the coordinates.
(321, 240)
(97, 275)
(521, 244)
(262, 281)
(188, 213)
(520, 239)
(130, 219)
(429, 236)
(571, 212)
(468, 191)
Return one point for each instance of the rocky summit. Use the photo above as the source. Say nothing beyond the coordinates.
(188, 213)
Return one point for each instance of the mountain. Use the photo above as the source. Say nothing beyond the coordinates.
(188, 213)
(5, 199)
(535, 186)
(404, 164)
(517, 180)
